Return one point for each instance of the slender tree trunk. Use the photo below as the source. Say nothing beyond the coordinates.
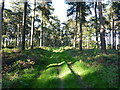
(18, 38)
(32, 26)
(80, 15)
(118, 47)
(41, 34)
(102, 30)
(113, 32)
(96, 25)
(109, 39)
(24, 25)
(76, 29)
(80, 37)
(1, 21)
(32, 31)
(0, 27)
(41, 30)
(115, 39)
(4, 39)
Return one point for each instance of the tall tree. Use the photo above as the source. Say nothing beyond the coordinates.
(41, 29)
(76, 29)
(115, 18)
(32, 25)
(84, 10)
(97, 45)
(24, 25)
(45, 13)
(73, 8)
(102, 30)
(80, 16)
(1, 19)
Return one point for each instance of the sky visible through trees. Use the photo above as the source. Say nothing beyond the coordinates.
(60, 8)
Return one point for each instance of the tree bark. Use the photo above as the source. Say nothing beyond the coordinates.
(113, 32)
(97, 45)
(1, 21)
(41, 34)
(24, 25)
(80, 15)
(80, 37)
(115, 39)
(102, 30)
(32, 26)
(18, 38)
(0, 27)
(76, 29)
(41, 30)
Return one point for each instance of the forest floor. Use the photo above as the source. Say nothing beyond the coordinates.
(62, 67)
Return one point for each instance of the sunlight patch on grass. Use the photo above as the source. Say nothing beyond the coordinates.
(70, 80)
(61, 63)
(55, 64)
(89, 74)
(81, 68)
(64, 70)
(7, 50)
(48, 78)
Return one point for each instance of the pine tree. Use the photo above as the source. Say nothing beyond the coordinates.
(24, 25)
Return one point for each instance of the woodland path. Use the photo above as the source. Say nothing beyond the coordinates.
(62, 73)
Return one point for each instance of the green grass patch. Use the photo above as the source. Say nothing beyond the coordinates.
(47, 79)
(69, 79)
(38, 68)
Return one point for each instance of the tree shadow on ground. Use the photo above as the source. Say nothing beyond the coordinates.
(35, 61)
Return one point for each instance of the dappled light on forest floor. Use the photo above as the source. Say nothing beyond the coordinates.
(48, 68)
(47, 79)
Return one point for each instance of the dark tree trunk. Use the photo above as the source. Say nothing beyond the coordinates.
(102, 30)
(0, 29)
(24, 25)
(96, 25)
(80, 16)
(80, 37)
(3, 2)
(41, 34)
(1, 21)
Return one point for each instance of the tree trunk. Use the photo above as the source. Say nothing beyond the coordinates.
(102, 30)
(32, 26)
(113, 32)
(41, 30)
(96, 25)
(41, 34)
(80, 37)
(76, 29)
(24, 25)
(0, 27)
(18, 38)
(1, 21)
(80, 15)
(115, 39)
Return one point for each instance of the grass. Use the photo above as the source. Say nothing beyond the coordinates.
(38, 68)
(68, 77)
(49, 78)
